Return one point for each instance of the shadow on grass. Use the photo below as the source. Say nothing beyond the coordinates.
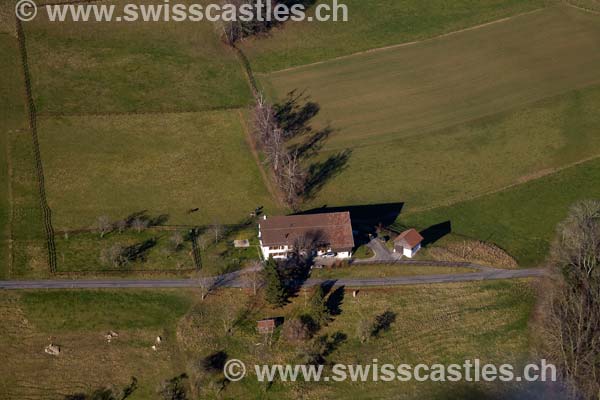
(435, 233)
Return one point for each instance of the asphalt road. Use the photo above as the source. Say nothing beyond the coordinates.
(233, 281)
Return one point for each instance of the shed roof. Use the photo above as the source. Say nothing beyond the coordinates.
(409, 238)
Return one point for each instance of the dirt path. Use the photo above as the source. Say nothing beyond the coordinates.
(395, 46)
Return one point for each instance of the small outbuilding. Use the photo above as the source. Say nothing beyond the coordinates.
(266, 326)
(408, 243)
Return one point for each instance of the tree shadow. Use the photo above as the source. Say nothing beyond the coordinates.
(313, 144)
(435, 233)
(143, 215)
(383, 323)
(138, 251)
(294, 114)
(294, 272)
(214, 362)
(335, 300)
(321, 172)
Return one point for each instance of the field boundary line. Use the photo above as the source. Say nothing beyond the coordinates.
(584, 9)
(50, 114)
(11, 216)
(521, 181)
(271, 187)
(275, 194)
(46, 212)
(405, 44)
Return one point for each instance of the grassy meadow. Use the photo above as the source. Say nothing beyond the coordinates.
(522, 220)
(131, 67)
(357, 271)
(445, 120)
(392, 94)
(19, 198)
(374, 24)
(77, 321)
(167, 165)
(435, 323)
(11, 113)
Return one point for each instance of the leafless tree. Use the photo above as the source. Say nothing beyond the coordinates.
(292, 178)
(296, 331)
(228, 317)
(113, 255)
(176, 240)
(253, 277)
(121, 225)
(139, 224)
(571, 301)
(104, 225)
(217, 230)
(233, 30)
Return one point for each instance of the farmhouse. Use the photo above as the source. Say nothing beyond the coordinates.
(329, 234)
(408, 243)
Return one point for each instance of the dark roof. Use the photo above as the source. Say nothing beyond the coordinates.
(332, 229)
(409, 238)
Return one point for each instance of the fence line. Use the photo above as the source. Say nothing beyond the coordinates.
(126, 113)
(46, 212)
(125, 272)
(247, 69)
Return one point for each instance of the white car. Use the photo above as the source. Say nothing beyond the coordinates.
(328, 255)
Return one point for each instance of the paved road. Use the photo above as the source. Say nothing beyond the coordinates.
(233, 280)
(381, 252)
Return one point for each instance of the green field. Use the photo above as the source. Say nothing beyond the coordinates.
(358, 271)
(10, 105)
(131, 67)
(77, 321)
(444, 120)
(28, 254)
(412, 90)
(523, 219)
(374, 24)
(117, 166)
(434, 323)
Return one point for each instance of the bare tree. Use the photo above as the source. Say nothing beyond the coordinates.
(113, 255)
(235, 29)
(139, 224)
(253, 277)
(121, 225)
(176, 240)
(228, 317)
(217, 230)
(289, 173)
(292, 178)
(104, 225)
(296, 330)
(571, 322)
